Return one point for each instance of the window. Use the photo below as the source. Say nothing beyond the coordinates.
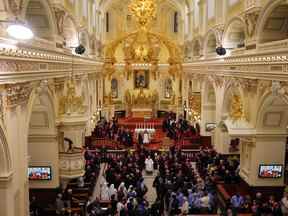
(175, 22)
(211, 8)
(196, 13)
(107, 21)
(85, 8)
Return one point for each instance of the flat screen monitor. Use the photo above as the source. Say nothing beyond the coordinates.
(40, 173)
(270, 170)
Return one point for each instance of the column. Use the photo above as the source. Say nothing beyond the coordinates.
(203, 16)
(190, 18)
(221, 137)
(262, 149)
(221, 11)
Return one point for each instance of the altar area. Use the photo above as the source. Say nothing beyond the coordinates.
(141, 103)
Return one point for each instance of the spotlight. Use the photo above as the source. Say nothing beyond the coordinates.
(80, 49)
(220, 50)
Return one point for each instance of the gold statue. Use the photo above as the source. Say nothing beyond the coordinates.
(236, 109)
(71, 103)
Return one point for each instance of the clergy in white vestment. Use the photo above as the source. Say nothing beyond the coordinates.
(104, 192)
(112, 191)
(149, 165)
(122, 189)
(146, 139)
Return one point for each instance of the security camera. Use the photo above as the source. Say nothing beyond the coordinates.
(80, 49)
(220, 50)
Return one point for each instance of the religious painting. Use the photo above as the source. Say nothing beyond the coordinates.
(114, 88)
(168, 89)
(141, 79)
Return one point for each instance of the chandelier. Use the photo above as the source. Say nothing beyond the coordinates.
(144, 11)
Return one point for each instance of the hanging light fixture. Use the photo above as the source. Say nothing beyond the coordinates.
(18, 30)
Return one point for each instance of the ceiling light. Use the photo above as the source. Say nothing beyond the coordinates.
(20, 32)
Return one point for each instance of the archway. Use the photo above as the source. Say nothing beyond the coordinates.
(40, 18)
(70, 33)
(196, 49)
(210, 44)
(84, 40)
(43, 148)
(234, 35)
(268, 145)
(5, 157)
(273, 22)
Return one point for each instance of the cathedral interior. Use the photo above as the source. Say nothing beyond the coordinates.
(186, 95)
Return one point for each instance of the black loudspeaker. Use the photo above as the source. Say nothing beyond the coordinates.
(220, 51)
(80, 49)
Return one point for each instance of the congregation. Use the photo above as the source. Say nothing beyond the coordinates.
(179, 128)
(112, 131)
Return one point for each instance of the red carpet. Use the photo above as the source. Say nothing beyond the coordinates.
(157, 140)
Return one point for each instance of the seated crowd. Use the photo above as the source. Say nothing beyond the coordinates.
(111, 130)
(224, 170)
(122, 187)
(177, 129)
(180, 189)
(217, 167)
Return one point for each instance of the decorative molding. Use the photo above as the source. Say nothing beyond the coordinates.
(6, 179)
(251, 21)
(17, 94)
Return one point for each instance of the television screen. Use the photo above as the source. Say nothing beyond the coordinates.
(39, 173)
(270, 171)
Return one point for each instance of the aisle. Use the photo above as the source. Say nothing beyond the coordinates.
(148, 180)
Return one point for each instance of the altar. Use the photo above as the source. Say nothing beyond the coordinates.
(142, 113)
(141, 103)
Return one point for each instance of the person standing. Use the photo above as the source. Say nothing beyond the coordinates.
(149, 165)
(146, 137)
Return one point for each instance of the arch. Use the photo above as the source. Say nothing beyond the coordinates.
(114, 87)
(84, 39)
(196, 48)
(234, 34)
(70, 32)
(36, 94)
(210, 43)
(208, 92)
(273, 22)
(272, 113)
(5, 155)
(40, 17)
(231, 90)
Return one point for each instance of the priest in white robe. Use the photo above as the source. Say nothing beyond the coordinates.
(146, 138)
(149, 165)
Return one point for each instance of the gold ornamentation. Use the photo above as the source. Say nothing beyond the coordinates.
(236, 109)
(71, 103)
(141, 98)
(143, 46)
(18, 93)
(144, 11)
(195, 106)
